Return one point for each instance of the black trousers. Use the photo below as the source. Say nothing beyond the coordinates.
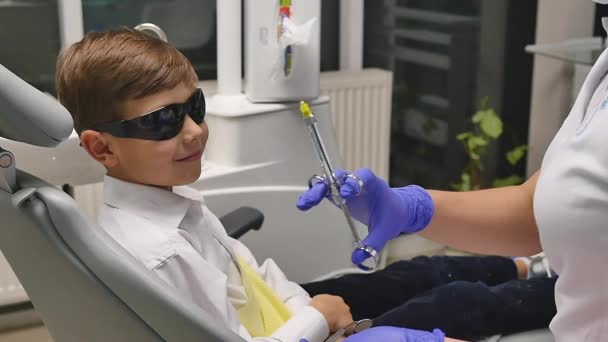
(466, 297)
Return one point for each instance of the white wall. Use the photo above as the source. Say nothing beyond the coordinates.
(557, 20)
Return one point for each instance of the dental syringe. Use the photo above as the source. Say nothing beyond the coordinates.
(369, 260)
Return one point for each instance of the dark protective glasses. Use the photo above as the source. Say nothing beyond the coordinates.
(161, 124)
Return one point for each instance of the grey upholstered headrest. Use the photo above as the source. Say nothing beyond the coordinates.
(30, 116)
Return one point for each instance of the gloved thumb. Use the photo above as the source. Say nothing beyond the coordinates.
(350, 189)
(312, 196)
(376, 239)
(363, 178)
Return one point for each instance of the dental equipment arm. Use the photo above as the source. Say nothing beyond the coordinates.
(48, 122)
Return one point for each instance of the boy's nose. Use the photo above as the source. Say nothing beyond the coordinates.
(191, 131)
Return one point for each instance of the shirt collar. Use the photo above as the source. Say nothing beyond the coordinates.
(155, 204)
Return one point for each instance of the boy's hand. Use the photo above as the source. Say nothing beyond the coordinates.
(336, 312)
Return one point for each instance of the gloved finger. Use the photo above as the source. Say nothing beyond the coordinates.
(377, 239)
(348, 190)
(366, 175)
(351, 188)
(339, 173)
(312, 196)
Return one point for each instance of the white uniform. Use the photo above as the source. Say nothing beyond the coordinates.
(176, 236)
(571, 209)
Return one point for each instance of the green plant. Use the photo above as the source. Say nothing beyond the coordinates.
(487, 128)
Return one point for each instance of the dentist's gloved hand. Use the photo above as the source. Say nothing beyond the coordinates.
(394, 334)
(386, 211)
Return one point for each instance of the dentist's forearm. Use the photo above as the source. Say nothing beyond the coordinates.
(496, 221)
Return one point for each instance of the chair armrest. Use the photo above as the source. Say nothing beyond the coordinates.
(242, 220)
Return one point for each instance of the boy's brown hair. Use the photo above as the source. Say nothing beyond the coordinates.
(97, 75)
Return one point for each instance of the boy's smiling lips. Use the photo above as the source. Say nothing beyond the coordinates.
(192, 157)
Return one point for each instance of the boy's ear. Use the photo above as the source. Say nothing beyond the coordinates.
(99, 147)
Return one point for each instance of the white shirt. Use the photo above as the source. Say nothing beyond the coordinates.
(176, 236)
(571, 210)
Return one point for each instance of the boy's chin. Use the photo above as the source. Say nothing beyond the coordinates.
(187, 179)
(171, 178)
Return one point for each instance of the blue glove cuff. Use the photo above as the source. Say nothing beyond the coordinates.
(439, 335)
(421, 207)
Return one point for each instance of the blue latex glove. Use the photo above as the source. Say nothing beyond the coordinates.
(387, 212)
(394, 334)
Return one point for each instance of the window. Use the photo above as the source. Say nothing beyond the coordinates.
(189, 24)
(29, 32)
(446, 55)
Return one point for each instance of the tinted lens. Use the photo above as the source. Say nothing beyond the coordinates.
(196, 107)
(168, 122)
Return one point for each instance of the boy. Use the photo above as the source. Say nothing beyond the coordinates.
(138, 112)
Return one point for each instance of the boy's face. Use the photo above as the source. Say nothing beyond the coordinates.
(166, 163)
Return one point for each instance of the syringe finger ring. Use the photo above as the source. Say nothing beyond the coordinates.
(356, 179)
(314, 180)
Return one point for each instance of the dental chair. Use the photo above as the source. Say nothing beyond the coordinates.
(84, 286)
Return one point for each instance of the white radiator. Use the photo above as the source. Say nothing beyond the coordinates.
(361, 111)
